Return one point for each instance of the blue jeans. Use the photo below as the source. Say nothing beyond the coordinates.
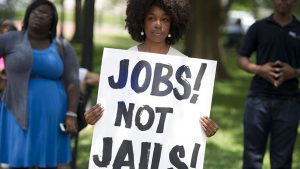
(275, 117)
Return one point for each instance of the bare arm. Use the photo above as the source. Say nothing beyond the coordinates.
(73, 98)
(244, 63)
(274, 72)
(266, 71)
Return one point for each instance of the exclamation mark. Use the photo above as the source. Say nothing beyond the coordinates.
(198, 82)
(195, 155)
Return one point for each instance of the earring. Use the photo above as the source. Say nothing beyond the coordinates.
(142, 33)
(169, 35)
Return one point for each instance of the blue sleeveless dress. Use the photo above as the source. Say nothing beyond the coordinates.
(43, 144)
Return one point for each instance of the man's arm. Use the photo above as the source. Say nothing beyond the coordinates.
(268, 71)
(275, 72)
(244, 63)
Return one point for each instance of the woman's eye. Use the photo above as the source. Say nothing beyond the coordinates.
(165, 19)
(151, 18)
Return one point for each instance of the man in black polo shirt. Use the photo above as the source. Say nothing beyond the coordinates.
(271, 106)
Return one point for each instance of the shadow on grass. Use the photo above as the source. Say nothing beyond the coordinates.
(216, 157)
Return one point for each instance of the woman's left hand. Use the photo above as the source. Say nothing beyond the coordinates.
(71, 124)
(209, 126)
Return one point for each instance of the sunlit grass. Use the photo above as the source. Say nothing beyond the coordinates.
(84, 147)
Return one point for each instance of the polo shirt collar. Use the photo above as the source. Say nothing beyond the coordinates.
(293, 23)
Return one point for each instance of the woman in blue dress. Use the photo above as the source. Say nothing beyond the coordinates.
(41, 92)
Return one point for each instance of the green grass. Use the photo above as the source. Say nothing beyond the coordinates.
(99, 18)
(225, 149)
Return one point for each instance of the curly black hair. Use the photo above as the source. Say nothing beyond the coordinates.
(34, 5)
(178, 10)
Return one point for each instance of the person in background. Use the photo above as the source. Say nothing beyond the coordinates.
(6, 26)
(42, 91)
(235, 34)
(88, 81)
(87, 77)
(272, 107)
(157, 25)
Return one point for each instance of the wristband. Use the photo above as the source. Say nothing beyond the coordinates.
(72, 114)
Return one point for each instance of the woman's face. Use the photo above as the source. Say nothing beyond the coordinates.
(40, 19)
(156, 25)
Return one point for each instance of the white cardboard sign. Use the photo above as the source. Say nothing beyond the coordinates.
(152, 105)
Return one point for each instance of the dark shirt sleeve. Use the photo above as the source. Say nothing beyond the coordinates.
(249, 44)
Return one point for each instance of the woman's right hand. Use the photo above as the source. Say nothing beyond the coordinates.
(209, 126)
(94, 114)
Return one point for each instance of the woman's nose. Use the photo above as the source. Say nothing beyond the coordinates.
(158, 23)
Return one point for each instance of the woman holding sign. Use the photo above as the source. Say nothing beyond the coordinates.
(156, 24)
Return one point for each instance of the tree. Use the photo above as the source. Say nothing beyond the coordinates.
(203, 37)
(7, 10)
(77, 37)
(88, 33)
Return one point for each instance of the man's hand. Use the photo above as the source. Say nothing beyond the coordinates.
(269, 72)
(276, 72)
(284, 71)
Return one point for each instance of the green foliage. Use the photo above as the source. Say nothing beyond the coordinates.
(114, 2)
(7, 12)
(110, 19)
(19, 15)
(13, 9)
(58, 1)
(254, 5)
(246, 5)
(297, 9)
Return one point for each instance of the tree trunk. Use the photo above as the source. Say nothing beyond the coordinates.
(77, 37)
(202, 39)
(88, 32)
(62, 18)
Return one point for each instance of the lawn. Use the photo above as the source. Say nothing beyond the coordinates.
(224, 150)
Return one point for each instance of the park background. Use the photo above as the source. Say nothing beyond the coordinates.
(100, 23)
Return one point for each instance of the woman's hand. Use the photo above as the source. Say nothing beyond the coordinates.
(71, 124)
(208, 125)
(94, 114)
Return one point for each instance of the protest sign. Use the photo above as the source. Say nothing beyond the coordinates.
(152, 105)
